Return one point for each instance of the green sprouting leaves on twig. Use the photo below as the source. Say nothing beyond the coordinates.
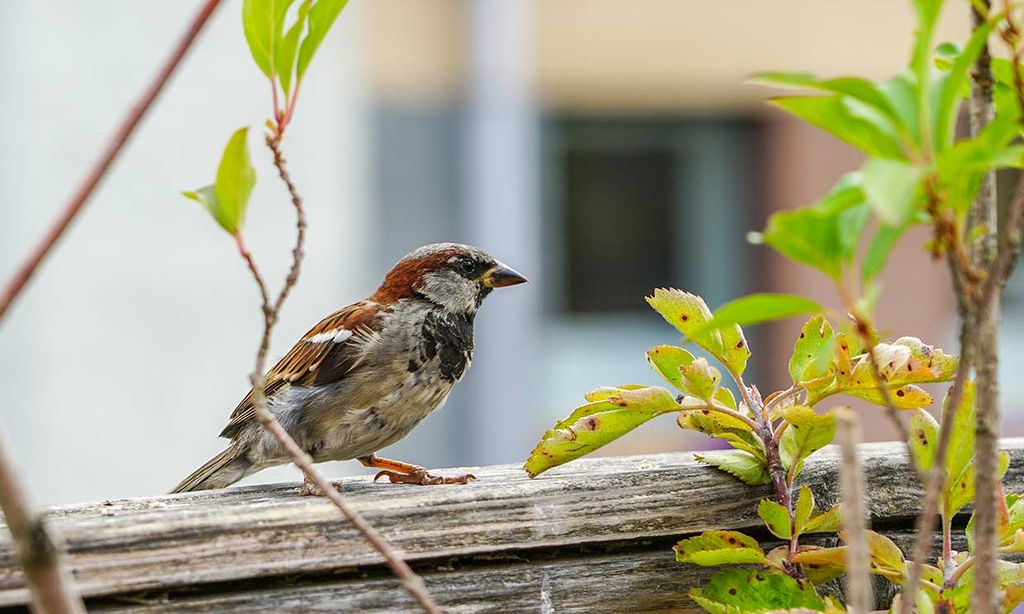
(690, 315)
(228, 198)
(610, 414)
(278, 52)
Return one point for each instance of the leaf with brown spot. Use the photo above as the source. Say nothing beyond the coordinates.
(667, 360)
(821, 564)
(736, 590)
(689, 314)
(713, 548)
(596, 424)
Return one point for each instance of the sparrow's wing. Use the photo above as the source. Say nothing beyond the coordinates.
(325, 354)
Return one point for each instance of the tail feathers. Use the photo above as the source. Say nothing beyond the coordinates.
(220, 471)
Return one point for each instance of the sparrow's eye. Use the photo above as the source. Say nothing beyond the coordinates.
(466, 267)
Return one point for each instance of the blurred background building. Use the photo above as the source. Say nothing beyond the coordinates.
(600, 148)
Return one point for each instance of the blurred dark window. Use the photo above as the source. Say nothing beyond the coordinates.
(619, 223)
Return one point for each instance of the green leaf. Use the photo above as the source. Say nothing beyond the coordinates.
(803, 509)
(228, 199)
(813, 352)
(837, 117)
(821, 564)
(598, 423)
(732, 591)
(808, 432)
(321, 18)
(776, 518)
(960, 451)
(859, 89)
(924, 431)
(879, 248)
(758, 308)
(894, 189)
(827, 522)
(701, 379)
(285, 52)
(666, 360)
(712, 548)
(721, 426)
(262, 21)
(741, 465)
(886, 557)
(952, 87)
(689, 314)
(927, 15)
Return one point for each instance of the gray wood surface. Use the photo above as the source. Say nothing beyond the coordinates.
(592, 536)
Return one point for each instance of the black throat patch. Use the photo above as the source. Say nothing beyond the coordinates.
(449, 337)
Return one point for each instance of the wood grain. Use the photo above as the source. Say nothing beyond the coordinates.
(592, 536)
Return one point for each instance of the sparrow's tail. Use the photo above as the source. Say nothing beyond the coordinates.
(220, 471)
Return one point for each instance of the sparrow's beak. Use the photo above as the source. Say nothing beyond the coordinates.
(501, 275)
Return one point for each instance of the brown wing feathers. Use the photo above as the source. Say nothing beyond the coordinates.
(323, 355)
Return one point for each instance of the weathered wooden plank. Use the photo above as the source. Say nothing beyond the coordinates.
(636, 581)
(254, 534)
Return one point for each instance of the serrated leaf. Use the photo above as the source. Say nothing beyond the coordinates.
(285, 52)
(827, 522)
(741, 465)
(893, 189)
(803, 509)
(776, 518)
(712, 548)
(758, 308)
(666, 361)
(924, 430)
(321, 18)
(689, 314)
(813, 352)
(755, 590)
(596, 424)
(604, 393)
(838, 117)
(808, 432)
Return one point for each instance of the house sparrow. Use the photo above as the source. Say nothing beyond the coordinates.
(366, 375)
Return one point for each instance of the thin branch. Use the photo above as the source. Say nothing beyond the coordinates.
(39, 556)
(853, 516)
(412, 582)
(28, 268)
(936, 477)
(274, 143)
(983, 212)
(37, 552)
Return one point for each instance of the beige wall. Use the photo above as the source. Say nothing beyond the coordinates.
(653, 55)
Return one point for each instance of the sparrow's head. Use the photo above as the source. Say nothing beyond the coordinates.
(455, 276)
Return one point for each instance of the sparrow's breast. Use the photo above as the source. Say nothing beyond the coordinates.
(407, 374)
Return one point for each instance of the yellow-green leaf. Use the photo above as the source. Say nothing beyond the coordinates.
(737, 590)
(596, 424)
(321, 18)
(262, 22)
(803, 509)
(689, 314)
(741, 465)
(700, 379)
(827, 522)
(719, 548)
(666, 360)
(776, 518)
(228, 199)
(924, 430)
(821, 564)
(808, 432)
(812, 358)
(285, 52)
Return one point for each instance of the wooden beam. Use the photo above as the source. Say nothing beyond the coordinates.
(597, 530)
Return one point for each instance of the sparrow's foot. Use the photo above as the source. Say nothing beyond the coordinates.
(310, 489)
(422, 477)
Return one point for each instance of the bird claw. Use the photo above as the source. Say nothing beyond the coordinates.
(422, 478)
